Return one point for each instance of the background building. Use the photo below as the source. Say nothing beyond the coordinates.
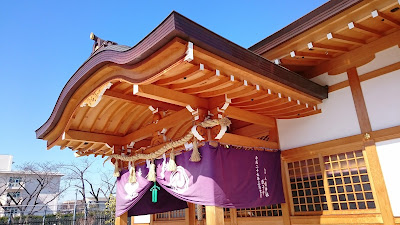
(27, 192)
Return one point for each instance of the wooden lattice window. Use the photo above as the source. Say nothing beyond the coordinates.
(171, 215)
(264, 211)
(307, 185)
(227, 213)
(348, 181)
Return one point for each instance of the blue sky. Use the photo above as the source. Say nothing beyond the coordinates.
(44, 42)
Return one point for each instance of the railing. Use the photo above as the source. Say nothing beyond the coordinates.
(61, 214)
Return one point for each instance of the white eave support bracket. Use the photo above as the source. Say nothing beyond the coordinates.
(189, 52)
(225, 106)
(195, 113)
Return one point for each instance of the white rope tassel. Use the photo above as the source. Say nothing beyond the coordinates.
(199, 212)
(151, 176)
(171, 163)
(132, 173)
(116, 169)
(195, 157)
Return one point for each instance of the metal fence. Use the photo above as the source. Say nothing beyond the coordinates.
(63, 214)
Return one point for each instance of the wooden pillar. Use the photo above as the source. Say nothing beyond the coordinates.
(122, 220)
(233, 215)
(376, 176)
(132, 219)
(190, 214)
(285, 207)
(214, 215)
(372, 159)
(152, 218)
(358, 98)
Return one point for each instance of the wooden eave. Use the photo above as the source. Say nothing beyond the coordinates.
(175, 25)
(334, 37)
(156, 73)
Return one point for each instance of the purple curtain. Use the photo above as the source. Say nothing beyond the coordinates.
(225, 177)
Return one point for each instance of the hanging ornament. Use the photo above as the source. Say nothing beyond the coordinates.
(116, 169)
(195, 157)
(199, 212)
(151, 176)
(132, 173)
(154, 191)
(171, 162)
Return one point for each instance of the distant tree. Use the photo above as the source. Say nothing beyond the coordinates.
(108, 182)
(81, 173)
(78, 173)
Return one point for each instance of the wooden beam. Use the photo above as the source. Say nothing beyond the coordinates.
(339, 145)
(170, 96)
(233, 139)
(141, 101)
(378, 182)
(323, 47)
(253, 130)
(233, 216)
(244, 115)
(190, 214)
(359, 102)
(214, 215)
(89, 137)
(309, 55)
(386, 19)
(355, 58)
(298, 62)
(167, 122)
(363, 29)
(344, 39)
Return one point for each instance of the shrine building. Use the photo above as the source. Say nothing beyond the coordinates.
(303, 127)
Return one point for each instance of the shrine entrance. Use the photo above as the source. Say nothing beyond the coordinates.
(187, 121)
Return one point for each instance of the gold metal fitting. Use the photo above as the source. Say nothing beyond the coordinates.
(367, 136)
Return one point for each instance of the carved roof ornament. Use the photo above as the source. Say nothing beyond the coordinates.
(95, 98)
(100, 43)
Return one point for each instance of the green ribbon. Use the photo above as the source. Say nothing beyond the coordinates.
(154, 191)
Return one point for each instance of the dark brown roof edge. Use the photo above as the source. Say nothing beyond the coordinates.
(176, 25)
(310, 20)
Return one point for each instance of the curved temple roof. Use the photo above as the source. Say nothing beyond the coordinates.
(178, 26)
(310, 20)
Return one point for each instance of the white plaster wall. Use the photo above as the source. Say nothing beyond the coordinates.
(383, 58)
(381, 96)
(338, 119)
(389, 153)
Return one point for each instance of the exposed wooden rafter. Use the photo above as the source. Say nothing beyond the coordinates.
(329, 48)
(345, 39)
(309, 55)
(239, 140)
(141, 100)
(386, 19)
(170, 96)
(363, 29)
